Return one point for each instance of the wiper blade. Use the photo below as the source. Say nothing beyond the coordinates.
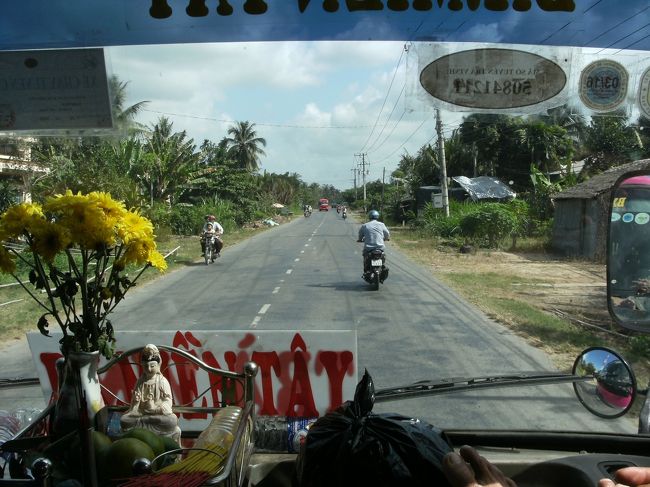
(456, 384)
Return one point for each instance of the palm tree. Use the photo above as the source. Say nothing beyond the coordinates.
(244, 145)
(124, 116)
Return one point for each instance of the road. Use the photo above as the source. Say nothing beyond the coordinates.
(306, 275)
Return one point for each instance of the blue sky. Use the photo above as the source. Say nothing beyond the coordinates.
(315, 103)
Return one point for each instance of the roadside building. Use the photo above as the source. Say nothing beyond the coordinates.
(16, 165)
(581, 214)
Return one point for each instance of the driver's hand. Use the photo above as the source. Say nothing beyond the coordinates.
(629, 477)
(469, 469)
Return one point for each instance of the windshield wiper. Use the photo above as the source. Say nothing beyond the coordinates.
(456, 384)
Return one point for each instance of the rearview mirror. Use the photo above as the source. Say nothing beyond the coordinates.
(609, 388)
(628, 252)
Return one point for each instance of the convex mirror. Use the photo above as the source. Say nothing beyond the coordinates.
(609, 386)
(628, 252)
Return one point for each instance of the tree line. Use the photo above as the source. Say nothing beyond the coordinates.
(165, 173)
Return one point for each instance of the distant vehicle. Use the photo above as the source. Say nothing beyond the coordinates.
(323, 204)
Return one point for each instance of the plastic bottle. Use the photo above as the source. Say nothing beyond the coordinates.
(221, 430)
(281, 433)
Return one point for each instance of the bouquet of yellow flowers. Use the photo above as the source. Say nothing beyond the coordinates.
(77, 249)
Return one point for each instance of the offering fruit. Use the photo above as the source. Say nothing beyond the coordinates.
(149, 437)
(121, 455)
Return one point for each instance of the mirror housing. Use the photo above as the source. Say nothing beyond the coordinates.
(609, 386)
(628, 252)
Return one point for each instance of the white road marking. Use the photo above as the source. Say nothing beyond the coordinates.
(255, 321)
(281, 280)
(306, 245)
(296, 260)
(275, 291)
(289, 271)
(309, 240)
(264, 309)
(302, 251)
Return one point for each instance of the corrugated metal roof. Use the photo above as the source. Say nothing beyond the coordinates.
(600, 183)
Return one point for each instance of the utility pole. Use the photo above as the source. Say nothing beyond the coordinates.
(363, 176)
(443, 164)
(383, 183)
(354, 171)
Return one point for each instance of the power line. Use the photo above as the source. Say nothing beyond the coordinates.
(399, 61)
(404, 143)
(386, 124)
(615, 26)
(391, 132)
(261, 124)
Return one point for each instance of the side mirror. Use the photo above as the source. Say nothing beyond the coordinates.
(609, 386)
(628, 252)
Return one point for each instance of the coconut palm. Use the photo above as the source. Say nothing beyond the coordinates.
(124, 115)
(244, 145)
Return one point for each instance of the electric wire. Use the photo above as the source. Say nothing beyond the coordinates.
(404, 143)
(615, 26)
(625, 37)
(399, 61)
(370, 149)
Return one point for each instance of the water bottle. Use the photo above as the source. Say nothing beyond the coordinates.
(281, 433)
(221, 430)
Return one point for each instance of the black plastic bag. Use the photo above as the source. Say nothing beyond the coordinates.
(353, 446)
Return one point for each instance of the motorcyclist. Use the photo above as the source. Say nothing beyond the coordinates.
(216, 229)
(344, 212)
(372, 234)
(469, 469)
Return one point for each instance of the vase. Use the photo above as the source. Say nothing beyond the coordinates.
(79, 396)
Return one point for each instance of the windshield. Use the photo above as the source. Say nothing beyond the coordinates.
(506, 278)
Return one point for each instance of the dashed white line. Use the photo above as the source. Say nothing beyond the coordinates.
(302, 251)
(296, 260)
(256, 320)
(289, 271)
(276, 290)
(306, 245)
(264, 309)
(309, 240)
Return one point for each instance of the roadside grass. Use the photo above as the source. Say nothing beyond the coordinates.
(19, 313)
(492, 292)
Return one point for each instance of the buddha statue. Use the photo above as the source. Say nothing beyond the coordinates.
(151, 402)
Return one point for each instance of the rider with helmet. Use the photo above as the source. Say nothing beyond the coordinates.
(211, 225)
(372, 234)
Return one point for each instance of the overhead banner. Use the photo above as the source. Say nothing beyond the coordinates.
(301, 374)
(38, 24)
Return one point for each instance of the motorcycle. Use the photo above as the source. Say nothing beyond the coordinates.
(344, 215)
(211, 248)
(307, 213)
(376, 271)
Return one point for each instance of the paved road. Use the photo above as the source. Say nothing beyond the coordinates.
(306, 275)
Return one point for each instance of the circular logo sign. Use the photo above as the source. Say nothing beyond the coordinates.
(644, 93)
(628, 217)
(603, 85)
(616, 217)
(642, 218)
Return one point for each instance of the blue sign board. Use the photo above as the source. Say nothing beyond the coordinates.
(36, 24)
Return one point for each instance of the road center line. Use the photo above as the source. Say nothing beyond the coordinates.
(255, 321)
(302, 251)
(275, 291)
(264, 309)
(296, 260)
(309, 240)
(306, 245)
(289, 271)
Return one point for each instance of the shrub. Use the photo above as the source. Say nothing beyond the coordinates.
(490, 223)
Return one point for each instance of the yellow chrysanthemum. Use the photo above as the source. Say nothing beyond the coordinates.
(48, 239)
(113, 210)
(157, 260)
(18, 218)
(138, 251)
(7, 264)
(134, 226)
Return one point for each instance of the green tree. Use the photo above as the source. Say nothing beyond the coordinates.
(611, 141)
(244, 146)
(170, 160)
